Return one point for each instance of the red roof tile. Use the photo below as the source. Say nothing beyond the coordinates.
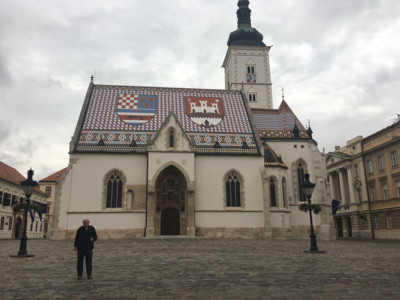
(10, 174)
(53, 177)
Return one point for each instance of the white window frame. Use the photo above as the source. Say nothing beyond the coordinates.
(381, 163)
(376, 222)
(397, 183)
(373, 193)
(369, 166)
(389, 221)
(393, 157)
(356, 169)
(385, 191)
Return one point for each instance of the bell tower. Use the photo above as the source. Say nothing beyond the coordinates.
(246, 62)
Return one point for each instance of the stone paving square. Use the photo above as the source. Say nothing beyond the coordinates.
(198, 268)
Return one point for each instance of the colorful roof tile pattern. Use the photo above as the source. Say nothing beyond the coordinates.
(277, 123)
(271, 159)
(119, 115)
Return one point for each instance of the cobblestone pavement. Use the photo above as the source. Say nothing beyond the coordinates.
(198, 268)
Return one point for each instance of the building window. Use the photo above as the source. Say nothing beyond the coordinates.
(14, 200)
(251, 75)
(363, 223)
(250, 70)
(252, 97)
(48, 190)
(389, 221)
(369, 166)
(171, 138)
(7, 199)
(284, 193)
(300, 180)
(381, 163)
(2, 223)
(10, 223)
(385, 191)
(272, 192)
(373, 193)
(232, 188)
(376, 222)
(359, 195)
(393, 157)
(397, 183)
(114, 191)
(356, 170)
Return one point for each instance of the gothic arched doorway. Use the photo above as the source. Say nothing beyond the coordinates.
(170, 222)
(171, 193)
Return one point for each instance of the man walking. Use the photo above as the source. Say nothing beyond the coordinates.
(84, 244)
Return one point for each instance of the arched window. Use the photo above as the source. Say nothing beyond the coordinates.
(232, 188)
(252, 97)
(272, 191)
(284, 194)
(300, 180)
(114, 191)
(171, 138)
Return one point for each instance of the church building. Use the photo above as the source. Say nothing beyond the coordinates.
(151, 161)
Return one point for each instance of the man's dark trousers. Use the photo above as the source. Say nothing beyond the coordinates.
(86, 254)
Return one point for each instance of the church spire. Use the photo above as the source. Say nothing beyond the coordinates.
(245, 35)
(243, 13)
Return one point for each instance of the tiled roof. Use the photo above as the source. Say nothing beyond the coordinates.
(53, 177)
(117, 115)
(10, 174)
(277, 123)
(271, 159)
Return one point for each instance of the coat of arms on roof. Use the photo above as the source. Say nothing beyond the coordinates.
(204, 111)
(136, 109)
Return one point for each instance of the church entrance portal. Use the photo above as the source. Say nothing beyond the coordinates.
(170, 223)
(171, 194)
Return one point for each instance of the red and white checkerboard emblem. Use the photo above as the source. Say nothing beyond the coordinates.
(127, 101)
(136, 109)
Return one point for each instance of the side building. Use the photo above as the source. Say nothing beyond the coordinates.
(364, 177)
(49, 186)
(11, 192)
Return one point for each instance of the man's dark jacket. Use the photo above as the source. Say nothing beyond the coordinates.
(82, 238)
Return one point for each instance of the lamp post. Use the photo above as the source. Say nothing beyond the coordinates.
(28, 186)
(308, 188)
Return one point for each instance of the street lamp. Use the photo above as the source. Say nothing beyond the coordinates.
(308, 188)
(28, 187)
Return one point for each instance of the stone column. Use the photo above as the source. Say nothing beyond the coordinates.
(267, 219)
(342, 190)
(351, 187)
(332, 186)
(150, 213)
(190, 229)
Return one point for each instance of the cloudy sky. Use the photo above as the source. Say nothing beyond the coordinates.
(338, 61)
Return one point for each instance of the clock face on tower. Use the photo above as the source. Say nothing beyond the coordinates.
(251, 78)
